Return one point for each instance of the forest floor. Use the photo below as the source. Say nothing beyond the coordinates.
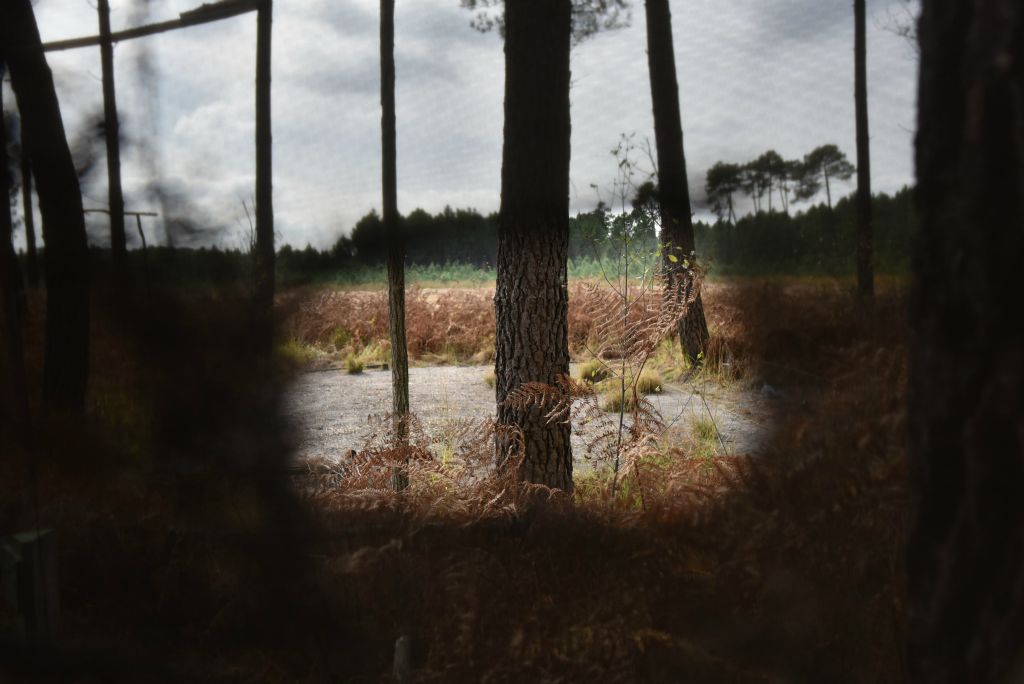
(188, 554)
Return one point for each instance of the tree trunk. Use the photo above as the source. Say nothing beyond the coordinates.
(531, 298)
(29, 217)
(828, 191)
(676, 222)
(14, 413)
(264, 295)
(966, 412)
(865, 273)
(118, 244)
(393, 230)
(60, 203)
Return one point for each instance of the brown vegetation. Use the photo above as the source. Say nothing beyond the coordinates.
(184, 544)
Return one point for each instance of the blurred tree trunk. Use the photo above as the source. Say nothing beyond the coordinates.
(29, 216)
(264, 295)
(393, 230)
(865, 268)
(60, 203)
(531, 298)
(966, 416)
(14, 393)
(118, 243)
(676, 222)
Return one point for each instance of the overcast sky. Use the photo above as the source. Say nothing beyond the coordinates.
(753, 76)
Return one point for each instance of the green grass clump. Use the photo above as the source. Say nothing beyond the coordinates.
(377, 353)
(593, 371)
(490, 379)
(353, 364)
(296, 352)
(705, 438)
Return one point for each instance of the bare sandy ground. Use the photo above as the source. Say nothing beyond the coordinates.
(332, 412)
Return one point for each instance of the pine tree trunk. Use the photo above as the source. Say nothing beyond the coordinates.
(264, 294)
(531, 298)
(60, 203)
(676, 221)
(393, 230)
(966, 412)
(118, 244)
(865, 271)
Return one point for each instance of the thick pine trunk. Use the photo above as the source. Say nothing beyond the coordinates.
(118, 244)
(676, 222)
(865, 269)
(966, 409)
(264, 294)
(393, 230)
(60, 203)
(531, 299)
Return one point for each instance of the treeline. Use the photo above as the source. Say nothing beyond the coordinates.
(816, 241)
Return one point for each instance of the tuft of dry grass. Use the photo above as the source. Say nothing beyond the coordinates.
(353, 364)
(592, 371)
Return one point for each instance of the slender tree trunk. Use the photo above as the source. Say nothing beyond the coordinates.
(865, 271)
(531, 298)
(29, 216)
(732, 214)
(676, 220)
(828, 191)
(14, 414)
(393, 230)
(966, 413)
(60, 203)
(264, 295)
(118, 244)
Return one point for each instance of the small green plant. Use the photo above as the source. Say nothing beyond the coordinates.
(353, 364)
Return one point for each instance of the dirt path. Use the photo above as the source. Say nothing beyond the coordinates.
(331, 410)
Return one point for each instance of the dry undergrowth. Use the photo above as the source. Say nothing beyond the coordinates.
(187, 555)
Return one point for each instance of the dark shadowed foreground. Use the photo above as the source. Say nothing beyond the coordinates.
(189, 551)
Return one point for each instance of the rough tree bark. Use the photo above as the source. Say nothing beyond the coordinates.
(531, 298)
(60, 203)
(118, 243)
(676, 221)
(393, 231)
(865, 268)
(966, 410)
(264, 295)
